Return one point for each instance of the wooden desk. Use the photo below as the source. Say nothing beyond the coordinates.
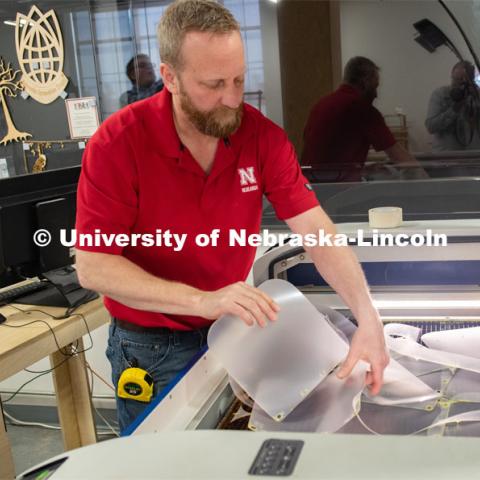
(21, 347)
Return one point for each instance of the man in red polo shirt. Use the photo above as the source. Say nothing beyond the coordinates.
(343, 125)
(190, 160)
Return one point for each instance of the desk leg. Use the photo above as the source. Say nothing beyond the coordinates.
(7, 469)
(73, 399)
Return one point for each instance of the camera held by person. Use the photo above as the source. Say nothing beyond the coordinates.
(454, 111)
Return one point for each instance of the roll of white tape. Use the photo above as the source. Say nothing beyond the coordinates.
(385, 217)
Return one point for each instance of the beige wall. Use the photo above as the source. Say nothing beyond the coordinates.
(307, 36)
(383, 31)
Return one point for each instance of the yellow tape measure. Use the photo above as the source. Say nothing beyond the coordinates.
(135, 384)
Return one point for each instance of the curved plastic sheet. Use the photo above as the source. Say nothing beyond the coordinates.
(417, 367)
(408, 421)
(240, 393)
(464, 385)
(401, 342)
(465, 429)
(465, 341)
(426, 391)
(402, 330)
(278, 366)
(330, 406)
(390, 420)
(402, 387)
(472, 416)
(341, 324)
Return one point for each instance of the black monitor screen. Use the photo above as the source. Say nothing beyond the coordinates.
(29, 203)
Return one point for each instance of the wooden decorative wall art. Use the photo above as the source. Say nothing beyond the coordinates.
(40, 55)
(41, 161)
(10, 86)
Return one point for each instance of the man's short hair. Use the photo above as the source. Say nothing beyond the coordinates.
(132, 64)
(359, 69)
(184, 16)
(468, 67)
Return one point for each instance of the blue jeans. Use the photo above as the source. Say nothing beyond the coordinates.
(162, 355)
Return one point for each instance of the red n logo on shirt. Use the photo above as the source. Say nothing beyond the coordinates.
(247, 176)
(248, 182)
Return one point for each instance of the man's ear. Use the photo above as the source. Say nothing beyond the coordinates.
(169, 77)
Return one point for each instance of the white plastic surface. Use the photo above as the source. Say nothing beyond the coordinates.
(463, 340)
(404, 345)
(280, 365)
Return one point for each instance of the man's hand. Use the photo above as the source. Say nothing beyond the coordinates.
(368, 344)
(248, 303)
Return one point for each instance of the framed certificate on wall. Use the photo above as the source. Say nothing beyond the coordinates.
(82, 114)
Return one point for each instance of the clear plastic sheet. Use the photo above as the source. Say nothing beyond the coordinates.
(330, 406)
(390, 420)
(402, 387)
(456, 411)
(343, 326)
(278, 366)
(240, 393)
(404, 344)
(467, 417)
(417, 367)
(464, 384)
(463, 429)
(426, 391)
(341, 323)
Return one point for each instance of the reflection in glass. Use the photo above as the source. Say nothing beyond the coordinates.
(141, 72)
(453, 116)
(343, 125)
(411, 75)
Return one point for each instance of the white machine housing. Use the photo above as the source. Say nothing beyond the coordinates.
(198, 398)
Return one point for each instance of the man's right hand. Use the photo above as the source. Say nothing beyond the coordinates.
(247, 302)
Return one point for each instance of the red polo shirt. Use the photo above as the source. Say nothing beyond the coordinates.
(339, 132)
(137, 178)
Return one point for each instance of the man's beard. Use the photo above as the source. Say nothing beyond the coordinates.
(219, 122)
(370, 95)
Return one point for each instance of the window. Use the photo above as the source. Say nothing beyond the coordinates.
(116, 31)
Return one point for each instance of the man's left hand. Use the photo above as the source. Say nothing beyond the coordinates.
(368, 344)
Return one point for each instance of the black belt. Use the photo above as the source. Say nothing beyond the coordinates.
(133, 327)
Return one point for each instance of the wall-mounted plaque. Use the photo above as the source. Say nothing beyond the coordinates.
(40, 55)
(82, 116)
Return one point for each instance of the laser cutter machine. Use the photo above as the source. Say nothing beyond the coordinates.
(193, 429)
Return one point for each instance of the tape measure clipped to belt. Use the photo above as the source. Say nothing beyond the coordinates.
(135, 384)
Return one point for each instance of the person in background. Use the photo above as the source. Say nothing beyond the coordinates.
(343, 125)
(140, 71)
(453, 116)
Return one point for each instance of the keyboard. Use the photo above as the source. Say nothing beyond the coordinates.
(8, 296)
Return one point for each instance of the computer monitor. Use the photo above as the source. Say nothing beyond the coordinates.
(29, 203)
